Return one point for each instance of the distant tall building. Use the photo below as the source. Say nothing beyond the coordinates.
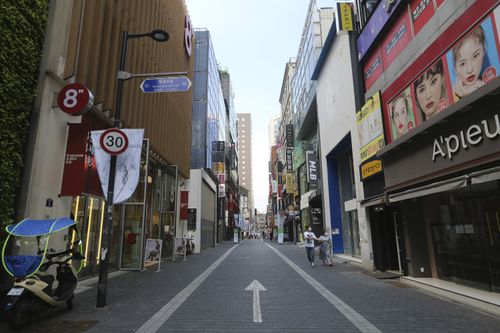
(245, 155)
(274, 131)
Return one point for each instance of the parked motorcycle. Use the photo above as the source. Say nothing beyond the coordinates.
(42, 257)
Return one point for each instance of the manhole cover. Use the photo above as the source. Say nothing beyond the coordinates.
(56, 326)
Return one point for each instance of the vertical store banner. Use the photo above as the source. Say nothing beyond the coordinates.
(80, 172)
(312, 169)
(345, 16)
(184, 205)
(127, 165)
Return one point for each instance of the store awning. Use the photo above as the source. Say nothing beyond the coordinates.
(373, 201)
(304, 199)
(436, 187)
(484, 176)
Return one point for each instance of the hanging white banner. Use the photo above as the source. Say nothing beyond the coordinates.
(128, 165)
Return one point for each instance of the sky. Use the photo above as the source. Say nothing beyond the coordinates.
(253, 40)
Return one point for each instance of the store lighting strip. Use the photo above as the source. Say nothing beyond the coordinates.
(75, 218)
(88, 232)
(100, 232)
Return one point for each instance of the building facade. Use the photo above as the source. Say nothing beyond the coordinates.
(83, 43)
(299, 109)
(245, 158)
(439, 196)
(210, 136)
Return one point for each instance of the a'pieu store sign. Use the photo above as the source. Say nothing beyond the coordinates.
(464, 136)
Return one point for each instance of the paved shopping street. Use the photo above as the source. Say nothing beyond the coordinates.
(207, 293)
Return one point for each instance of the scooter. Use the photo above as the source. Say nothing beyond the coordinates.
(45, 276)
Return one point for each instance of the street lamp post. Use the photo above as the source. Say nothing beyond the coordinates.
(158, 36)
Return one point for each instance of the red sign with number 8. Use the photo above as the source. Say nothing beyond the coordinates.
(75, 99)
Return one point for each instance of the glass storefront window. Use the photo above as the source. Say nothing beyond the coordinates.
(132, 245)
(464, 233)
(89, 213)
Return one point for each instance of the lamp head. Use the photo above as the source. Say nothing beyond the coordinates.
(159, 35)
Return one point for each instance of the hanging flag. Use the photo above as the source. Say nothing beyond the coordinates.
(128, 165)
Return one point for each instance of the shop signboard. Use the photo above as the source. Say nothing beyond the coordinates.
(289, 136)
(289, 159)
(447, 79)
(421, 13)
(75, 99)
(371, 168)
(316, 216)
(80, 170)
(395, 41)
(312, 169)
(370, 127)
(345, 16)
(191, 222)
(183, 210)
(373, 68)
(153, 253)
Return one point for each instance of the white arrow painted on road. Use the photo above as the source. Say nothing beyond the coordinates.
(256, 287)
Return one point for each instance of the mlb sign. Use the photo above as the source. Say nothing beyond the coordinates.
(312, 169)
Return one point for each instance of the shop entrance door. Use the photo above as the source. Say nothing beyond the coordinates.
(132, 219)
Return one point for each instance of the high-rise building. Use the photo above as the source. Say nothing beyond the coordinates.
(274, 131)
(245, 155)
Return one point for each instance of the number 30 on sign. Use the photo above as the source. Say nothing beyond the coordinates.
(114, 141)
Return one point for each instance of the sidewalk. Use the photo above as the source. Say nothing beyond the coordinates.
(134, 297)
(475, 298)
(130, 297)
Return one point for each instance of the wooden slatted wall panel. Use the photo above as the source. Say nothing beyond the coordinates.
(92, 58)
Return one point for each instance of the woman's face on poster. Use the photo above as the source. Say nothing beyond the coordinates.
(429, 94)
(469, 61)
(400, 115)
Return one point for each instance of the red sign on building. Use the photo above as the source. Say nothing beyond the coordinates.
(396, 40)
(184, 205)
(80, 171)
(373, 68)
(421, 13)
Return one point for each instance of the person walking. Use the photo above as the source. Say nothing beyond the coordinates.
(309, 238)
(325, 248)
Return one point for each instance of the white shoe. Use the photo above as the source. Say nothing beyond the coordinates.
(312, 264)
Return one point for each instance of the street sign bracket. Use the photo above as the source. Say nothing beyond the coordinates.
(123, 75)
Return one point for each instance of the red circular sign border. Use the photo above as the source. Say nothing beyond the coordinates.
(114, 129)
(82, 102)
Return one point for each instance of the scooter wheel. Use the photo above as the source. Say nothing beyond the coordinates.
(69, 304)
(17, 318)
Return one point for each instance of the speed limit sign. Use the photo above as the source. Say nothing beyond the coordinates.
(114, 141)
(75, 99)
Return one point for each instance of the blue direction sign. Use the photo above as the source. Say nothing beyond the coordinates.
(166, 84)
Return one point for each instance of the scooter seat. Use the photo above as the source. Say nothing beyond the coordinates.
(48, 279)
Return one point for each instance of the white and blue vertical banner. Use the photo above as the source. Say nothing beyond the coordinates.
(128, 165)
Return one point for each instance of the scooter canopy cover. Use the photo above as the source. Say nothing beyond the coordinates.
(22, 266)
(33, 228)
